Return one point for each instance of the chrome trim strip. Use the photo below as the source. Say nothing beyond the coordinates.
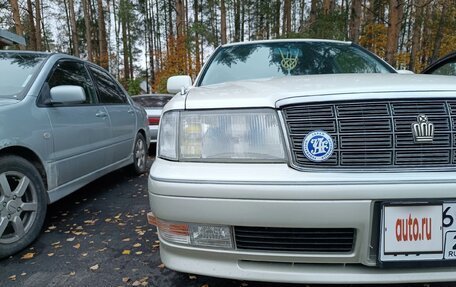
(303, 183)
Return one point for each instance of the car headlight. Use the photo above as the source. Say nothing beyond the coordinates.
(221, 135)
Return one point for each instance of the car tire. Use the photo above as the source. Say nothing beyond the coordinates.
(140, 155)
(22, 204)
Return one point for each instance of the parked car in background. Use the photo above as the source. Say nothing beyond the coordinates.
(153, 104)
(64, 123)
(445, 66)
(307, 161)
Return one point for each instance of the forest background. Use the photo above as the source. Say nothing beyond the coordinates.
(150, 40)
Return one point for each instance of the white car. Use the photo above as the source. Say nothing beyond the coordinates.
(307, 161)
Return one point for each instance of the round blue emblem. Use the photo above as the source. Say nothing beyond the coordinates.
(318, 146)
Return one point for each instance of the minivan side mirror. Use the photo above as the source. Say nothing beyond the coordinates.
(67, 94)
(175, 84)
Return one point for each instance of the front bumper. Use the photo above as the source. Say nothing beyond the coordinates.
(276, 196)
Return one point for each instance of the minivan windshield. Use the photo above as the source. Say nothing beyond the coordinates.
(279, 59)
(17, 69)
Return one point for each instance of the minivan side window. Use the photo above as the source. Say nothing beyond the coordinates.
(108, 90)
(75, 74)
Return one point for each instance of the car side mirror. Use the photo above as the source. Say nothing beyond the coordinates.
(67, 94)
(176, 84)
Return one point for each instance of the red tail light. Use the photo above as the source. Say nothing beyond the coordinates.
(154, 121)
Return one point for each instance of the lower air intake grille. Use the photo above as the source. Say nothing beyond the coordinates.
(322, 240)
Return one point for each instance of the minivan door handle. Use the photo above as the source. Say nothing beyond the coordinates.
(101, 114)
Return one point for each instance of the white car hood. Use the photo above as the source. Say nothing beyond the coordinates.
(267, 92)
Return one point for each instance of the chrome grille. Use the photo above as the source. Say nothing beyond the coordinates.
(375, 134)
(332, 240)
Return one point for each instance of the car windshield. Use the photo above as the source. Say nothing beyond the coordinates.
(265, 60)
(17, 69)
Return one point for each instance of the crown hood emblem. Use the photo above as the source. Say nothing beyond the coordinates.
(423, 130)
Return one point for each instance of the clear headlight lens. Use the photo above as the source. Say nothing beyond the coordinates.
(226, 135)
(167, 145)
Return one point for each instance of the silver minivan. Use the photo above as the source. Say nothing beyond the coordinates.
(63, 123)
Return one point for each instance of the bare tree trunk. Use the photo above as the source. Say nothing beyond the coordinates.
(355, 20)
(87, 24)
(439, 33)
(197, 47)
(180, 17)
(74, 31)
(31, 22)
(39, 39)
(313, 12)
(103, 43)
(223, 21)
(126, 61)
(237, 20)
(394, 27)
(67, 18)
(243, 20)
(286, 18)
(170, 20)
(17, 20)
(150, 13)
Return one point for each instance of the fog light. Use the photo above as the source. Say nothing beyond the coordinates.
(211, 236)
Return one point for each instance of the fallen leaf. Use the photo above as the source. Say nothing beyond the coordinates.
(192, 277)
(243, 284)
(136, 283)
(55, 243)
(50, 254)
(23, 274)
(12, 278)
(29, 255)
(138, 252)
(90, 222)
(72, 273)
(52, 227)
(102, 249)
(126, 252)
(84, 254)
(137, 245)
(126, 239)
(108, 220)
(118, 216)
(125, 279)
(161, 266)
(77, 246)
(94, 267)
(71, 239)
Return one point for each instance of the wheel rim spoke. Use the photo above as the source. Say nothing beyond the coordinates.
(3, 225)
(29, 206)
(5, 185)
(18, 226)
(22, 186)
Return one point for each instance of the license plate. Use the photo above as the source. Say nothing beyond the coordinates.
(422, 232)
